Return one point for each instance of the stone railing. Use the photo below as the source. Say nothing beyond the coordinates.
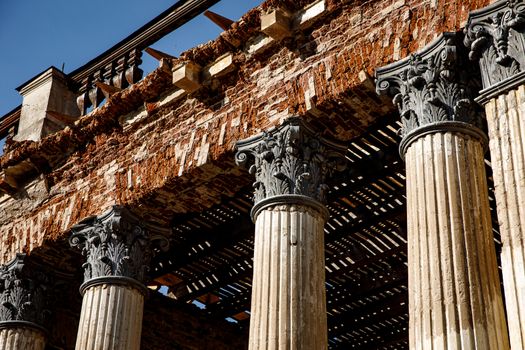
(100, 81)
(118, 67)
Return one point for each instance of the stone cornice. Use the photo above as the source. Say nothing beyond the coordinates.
(290, 160)
(116, 244)
(495, 36)
(432, 88)
(41, 79)
(24, 295)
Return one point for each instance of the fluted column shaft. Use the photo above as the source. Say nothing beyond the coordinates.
(455, 297)
(20, 338)
(454, 292)
(290, 164)
(506, 124)
(288, 291)
(495, 36)
(111, 318)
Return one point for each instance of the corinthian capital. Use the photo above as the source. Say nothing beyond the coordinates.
(495, 36)
(115, 244)
(434, 88)
(290, 160)
(24, 297)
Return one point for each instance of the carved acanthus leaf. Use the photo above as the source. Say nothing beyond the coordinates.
(115, 244)
(495, 36)
(23, 297)
(290, 160)
(433, 86)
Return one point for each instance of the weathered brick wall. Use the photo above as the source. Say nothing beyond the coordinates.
(162, 154)
(166, 326)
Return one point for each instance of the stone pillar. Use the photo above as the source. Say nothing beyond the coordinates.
(290, 163)
(48, 105)
(454, 289)
(23, 307)
(117, 247)
(496, 38)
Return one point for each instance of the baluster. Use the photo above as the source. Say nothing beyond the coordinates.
(95, 94)
(83, 102)
(119, 77)
(133, 72)
(109, 72)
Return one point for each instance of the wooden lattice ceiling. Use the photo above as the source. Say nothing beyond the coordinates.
(366, 258)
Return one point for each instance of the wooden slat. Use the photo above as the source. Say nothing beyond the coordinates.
(365, 251)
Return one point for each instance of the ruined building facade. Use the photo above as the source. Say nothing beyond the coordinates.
(337, 174)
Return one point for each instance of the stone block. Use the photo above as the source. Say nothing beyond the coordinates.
(45, 93)
(276, 24)
(310, 14)
(259, 44)
(187, 77)
(222, 66)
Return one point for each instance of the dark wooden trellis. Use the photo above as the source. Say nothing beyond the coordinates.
(366, 258)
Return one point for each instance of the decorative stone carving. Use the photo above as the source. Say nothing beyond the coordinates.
(434, 86)
(290, 160)
(23, 299)
(115, 244)
(495, 36)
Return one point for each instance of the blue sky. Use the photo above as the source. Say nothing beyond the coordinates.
(37, 34)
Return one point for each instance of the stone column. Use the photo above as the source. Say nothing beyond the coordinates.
(117, 247)
(454, 290)
(496, 38)
(23, 307)
(290, 163)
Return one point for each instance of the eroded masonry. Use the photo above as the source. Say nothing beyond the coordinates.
(328, 174)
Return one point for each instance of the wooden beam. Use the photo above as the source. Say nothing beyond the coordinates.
(158, 55)
(218, 238)
(107, 90)
(223, 22)
(391, 306)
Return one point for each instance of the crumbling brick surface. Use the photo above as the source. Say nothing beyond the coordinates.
(171, 326)
(167, 325)
(163, 156)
